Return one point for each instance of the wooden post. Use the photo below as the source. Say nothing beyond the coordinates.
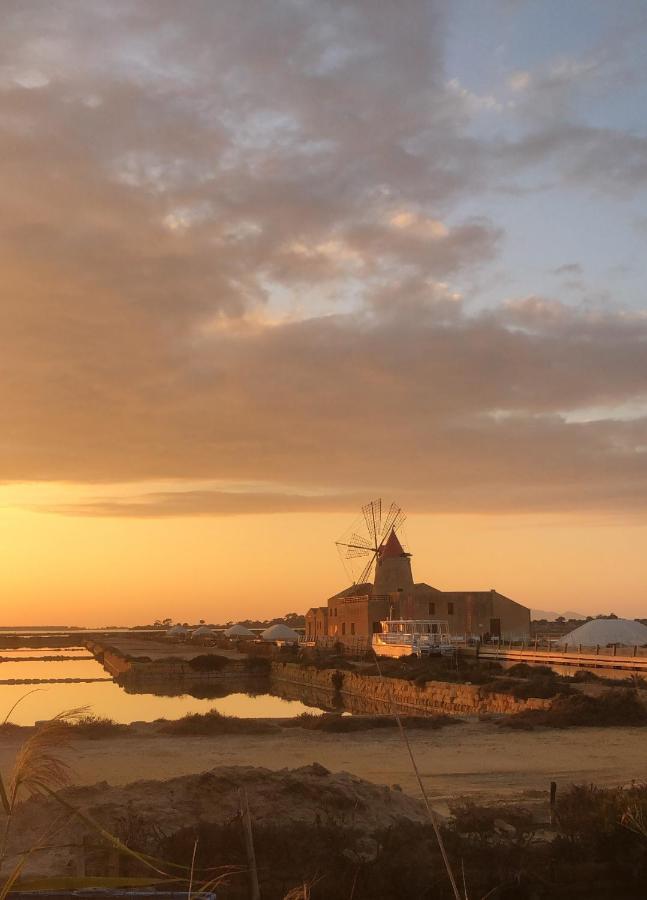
(79, 859)
(553, 796)
(615, 649)
(254, 890)
(113, 862)
(635, 649)
(597, 649)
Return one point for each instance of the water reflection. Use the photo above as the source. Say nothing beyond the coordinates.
(45, 651)
(110, 700)
(74, 668)
(238, 697)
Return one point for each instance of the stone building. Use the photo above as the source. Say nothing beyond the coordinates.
(356, 611)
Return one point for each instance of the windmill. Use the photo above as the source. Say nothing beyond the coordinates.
(362, 544)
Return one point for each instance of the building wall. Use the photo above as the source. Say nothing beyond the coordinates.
(515, 618)
(316, 623)
(474, 613)
(350, 617)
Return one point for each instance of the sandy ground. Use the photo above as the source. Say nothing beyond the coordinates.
(472, 759)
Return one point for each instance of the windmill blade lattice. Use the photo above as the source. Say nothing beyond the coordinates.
(394, 519)
(355, 546)
(372, 513)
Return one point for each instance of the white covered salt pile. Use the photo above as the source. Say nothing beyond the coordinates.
(605, 632)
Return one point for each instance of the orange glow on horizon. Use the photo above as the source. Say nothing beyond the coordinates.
(57, 569)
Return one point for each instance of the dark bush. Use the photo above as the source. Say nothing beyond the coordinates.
(523, 670)
(214, 723)
(209, 662)
(337, 723)
(492, 824)
(615, 707)
(97, 728)
(542, 688)
(258, 665)
(582, 677)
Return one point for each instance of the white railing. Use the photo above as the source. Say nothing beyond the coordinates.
(423, 640)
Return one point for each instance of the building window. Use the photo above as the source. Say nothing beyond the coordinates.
(343, 628)
(352, 628)
(450, 608)
(432, 608)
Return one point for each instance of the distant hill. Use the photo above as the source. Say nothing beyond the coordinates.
(550, 616)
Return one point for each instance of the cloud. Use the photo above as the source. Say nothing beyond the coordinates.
(203, 503)
(232, 249)
(431, 403)
(572, 268)
(519, 81)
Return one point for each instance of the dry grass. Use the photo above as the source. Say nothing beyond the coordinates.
(214, 723)
(339, 724)
(39, 767)
(97, 728)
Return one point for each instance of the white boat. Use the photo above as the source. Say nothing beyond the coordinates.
(421, 637)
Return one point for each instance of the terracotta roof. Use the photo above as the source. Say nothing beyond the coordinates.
(355, 590)
(392, 547)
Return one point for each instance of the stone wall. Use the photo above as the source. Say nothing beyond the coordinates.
(434, 697)
(116, 665)
(133, 670)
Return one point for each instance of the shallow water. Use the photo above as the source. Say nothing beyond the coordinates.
(110, 700)
(46, 651)
(73, 668)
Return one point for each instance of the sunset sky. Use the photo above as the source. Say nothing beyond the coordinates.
(263, 261)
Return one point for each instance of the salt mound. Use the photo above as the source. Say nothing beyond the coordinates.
(239, 631)
(607, 631)
(279, 633)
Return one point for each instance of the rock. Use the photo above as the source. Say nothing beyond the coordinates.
(314, 768)
(504, 828)
(366, 850)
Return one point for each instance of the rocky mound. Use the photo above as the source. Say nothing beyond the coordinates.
(144, 812)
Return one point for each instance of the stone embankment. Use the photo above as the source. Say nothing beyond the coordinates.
(433, 697)
(127, 669)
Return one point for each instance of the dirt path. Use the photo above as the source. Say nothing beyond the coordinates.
(473, 759)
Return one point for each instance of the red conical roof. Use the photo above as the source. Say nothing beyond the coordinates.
(392, 547)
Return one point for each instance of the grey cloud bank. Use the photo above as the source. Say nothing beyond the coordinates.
(230, 246)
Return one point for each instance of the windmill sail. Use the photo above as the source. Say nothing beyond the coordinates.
(364, 550)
